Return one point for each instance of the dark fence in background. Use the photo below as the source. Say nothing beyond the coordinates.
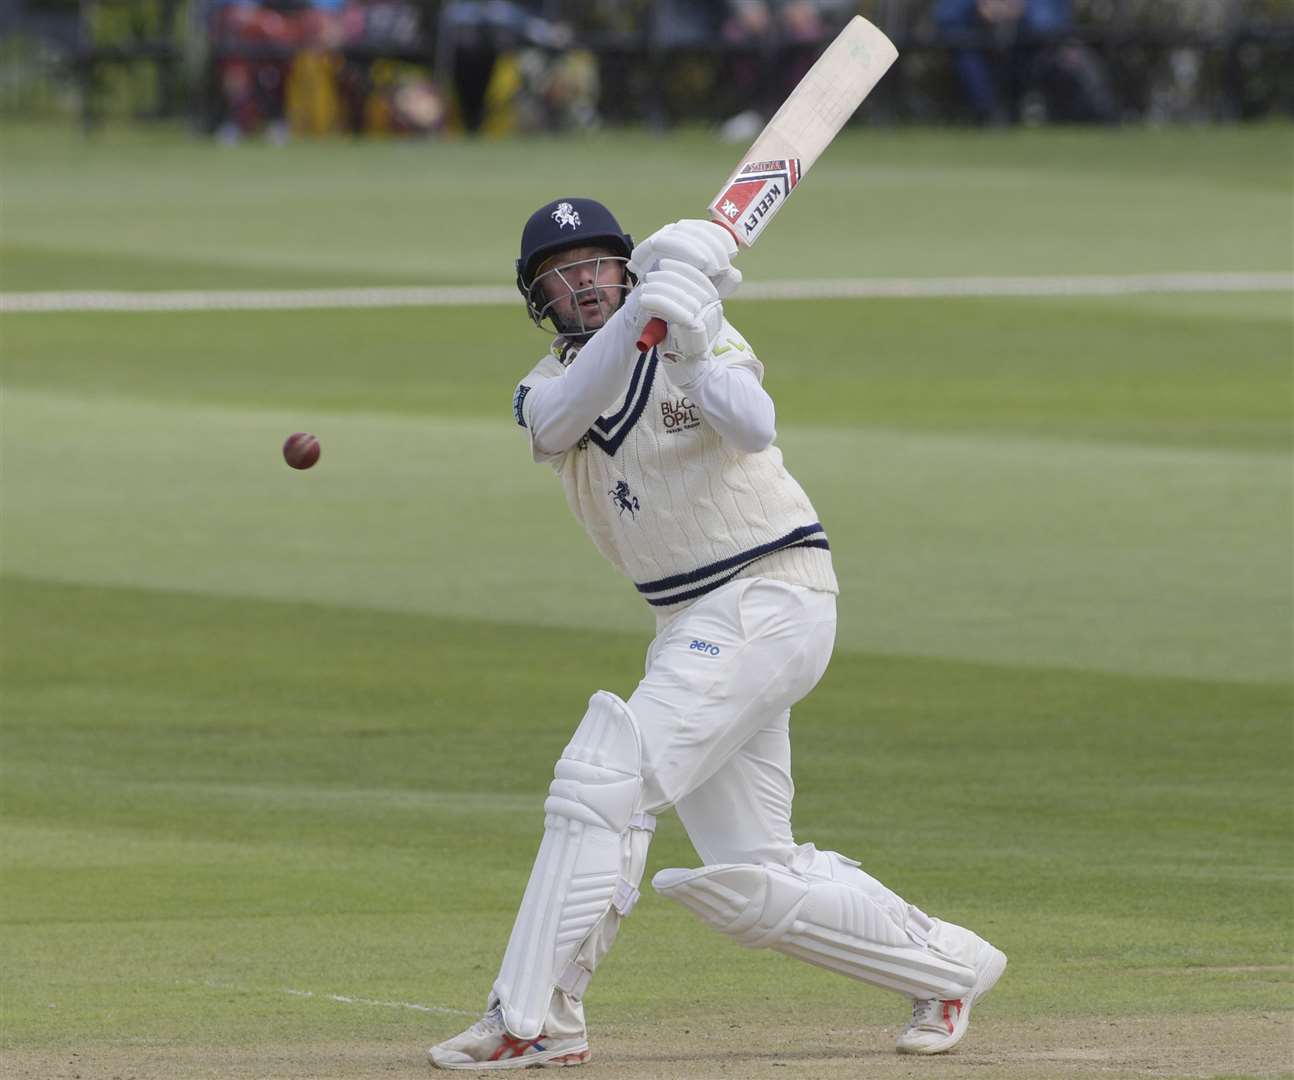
(418, 66)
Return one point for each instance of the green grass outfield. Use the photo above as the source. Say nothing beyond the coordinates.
(275, 739)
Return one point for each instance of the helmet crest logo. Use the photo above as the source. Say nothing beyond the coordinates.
(566, 214)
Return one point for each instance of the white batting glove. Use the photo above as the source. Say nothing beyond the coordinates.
(689, 303)
(703, 244)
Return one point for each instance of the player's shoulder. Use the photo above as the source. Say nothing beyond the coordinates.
(549, 367)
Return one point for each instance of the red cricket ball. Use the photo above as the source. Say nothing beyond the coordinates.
(301, 450)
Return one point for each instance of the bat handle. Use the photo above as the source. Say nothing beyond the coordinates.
(653, 334)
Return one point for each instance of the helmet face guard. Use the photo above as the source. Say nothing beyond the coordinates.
(555, 295)
(559, 226)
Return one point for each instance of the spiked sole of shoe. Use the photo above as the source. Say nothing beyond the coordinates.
(551, 1060)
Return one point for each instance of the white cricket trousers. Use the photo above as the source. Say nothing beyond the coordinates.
(713, 712)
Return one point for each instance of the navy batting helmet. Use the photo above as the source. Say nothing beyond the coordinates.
(567, 223)
(561, 224)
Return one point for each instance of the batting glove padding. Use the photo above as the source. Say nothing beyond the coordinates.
(689, 303)
(703, 244)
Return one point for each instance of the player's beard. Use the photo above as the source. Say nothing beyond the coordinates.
(583, 312)
(594, 306)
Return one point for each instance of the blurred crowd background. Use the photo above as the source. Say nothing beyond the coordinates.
(275, 69)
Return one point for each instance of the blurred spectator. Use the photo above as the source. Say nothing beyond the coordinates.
(384, 85)
(747, 54)
(557, 91)
(678, 33)
(470, 38)
(773, 43)
(1031, 48)
(255, 46)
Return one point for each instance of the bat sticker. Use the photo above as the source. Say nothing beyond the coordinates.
(755, 189)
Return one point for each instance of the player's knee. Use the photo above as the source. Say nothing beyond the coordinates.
(598, 779)
(802, 860)
(722, 851)
(808, 862)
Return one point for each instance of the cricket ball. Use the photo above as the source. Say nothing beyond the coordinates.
(301, 450)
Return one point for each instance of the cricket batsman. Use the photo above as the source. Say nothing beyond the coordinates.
(667, 459)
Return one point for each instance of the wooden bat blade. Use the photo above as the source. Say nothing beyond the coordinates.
(810, 117)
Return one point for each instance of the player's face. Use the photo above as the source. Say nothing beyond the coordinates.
(583, 286)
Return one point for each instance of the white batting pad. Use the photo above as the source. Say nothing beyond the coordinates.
(832, 923)
(586, 874)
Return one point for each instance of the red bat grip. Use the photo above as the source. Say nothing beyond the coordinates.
(653, 334)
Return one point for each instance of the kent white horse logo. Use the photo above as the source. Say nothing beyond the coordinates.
(566, 214)
(624, 499)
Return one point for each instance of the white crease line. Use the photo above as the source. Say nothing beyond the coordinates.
(218, 984)
(346, 1000)
(477, 295)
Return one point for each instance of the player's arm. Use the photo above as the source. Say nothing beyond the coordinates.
(727, 388)
(697, 355)
(558, 411)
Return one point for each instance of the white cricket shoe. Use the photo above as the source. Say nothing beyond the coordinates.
(487, 1044)
(938, 1024)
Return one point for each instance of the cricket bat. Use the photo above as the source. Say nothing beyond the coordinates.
(795, 138)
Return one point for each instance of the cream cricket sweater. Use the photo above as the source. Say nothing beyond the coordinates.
(663, 495)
